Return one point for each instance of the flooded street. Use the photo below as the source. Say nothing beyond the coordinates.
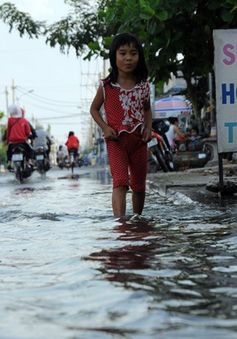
(71, 270)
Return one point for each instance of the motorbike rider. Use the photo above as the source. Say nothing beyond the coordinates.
(72, 144)
(61, 156)
(18, 132)
(42, 139)
(33, 132)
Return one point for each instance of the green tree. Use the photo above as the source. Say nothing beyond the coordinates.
(3, 154)
(172, 28)
(167, 29)
(3, 146)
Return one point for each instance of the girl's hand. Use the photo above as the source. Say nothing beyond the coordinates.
(110, 133)
(146, 136)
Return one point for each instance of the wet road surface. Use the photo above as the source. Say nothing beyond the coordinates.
(71, 270)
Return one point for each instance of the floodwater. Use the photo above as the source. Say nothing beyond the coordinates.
(68, 269)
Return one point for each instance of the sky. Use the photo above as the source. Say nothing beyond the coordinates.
(52, 87)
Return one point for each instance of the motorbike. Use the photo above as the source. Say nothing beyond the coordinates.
(69, 162)
(41, 160)
(160, 151)
(195, 158)
(182, 156)
(62, 162)
(20, 167)
(73, 160)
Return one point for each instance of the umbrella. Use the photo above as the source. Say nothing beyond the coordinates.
(171, 106)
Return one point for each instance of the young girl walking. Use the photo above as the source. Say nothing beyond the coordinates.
(125, 94)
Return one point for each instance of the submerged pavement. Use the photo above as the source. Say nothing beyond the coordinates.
(192, 178)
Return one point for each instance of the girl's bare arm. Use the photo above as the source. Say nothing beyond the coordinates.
(109, 133)
(147, 121)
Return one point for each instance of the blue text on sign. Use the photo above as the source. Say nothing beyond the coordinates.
(230, 131)
(228, 92)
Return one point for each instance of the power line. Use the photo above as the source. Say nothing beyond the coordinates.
(60, 117)
(45, 108)
(66, 123)
(22, 90)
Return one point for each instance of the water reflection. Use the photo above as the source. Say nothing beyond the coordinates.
(188, 269)
(170, 275)
(103, 176)
(131, 256)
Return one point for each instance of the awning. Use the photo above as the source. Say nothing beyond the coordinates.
(171, 106)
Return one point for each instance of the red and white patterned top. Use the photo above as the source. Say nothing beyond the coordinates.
(124, 108)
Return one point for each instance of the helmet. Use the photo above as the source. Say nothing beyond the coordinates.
(38, 125)
(15, 111)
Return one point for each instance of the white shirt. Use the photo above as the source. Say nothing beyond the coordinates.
(171, 136)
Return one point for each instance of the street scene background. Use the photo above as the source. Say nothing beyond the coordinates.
(69, 269)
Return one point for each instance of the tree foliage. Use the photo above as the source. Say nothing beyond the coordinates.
(170, 28)
(20, 21)
(167, 29)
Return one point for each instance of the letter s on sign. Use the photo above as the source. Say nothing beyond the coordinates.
(227, 50)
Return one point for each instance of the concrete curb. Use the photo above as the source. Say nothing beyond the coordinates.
(193, 177)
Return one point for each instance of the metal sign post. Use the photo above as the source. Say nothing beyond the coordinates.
(225, 62)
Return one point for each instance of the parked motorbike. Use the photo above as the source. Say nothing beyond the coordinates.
(185, 158)
(159, 147)
(41, 160)
(20, 167)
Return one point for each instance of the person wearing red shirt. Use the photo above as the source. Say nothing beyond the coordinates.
(18, 132)
(72, 143)
(126, 121)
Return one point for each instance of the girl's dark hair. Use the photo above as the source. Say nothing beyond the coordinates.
(141, 72)
(70, 133)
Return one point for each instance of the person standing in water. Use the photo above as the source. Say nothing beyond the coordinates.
(125, 94)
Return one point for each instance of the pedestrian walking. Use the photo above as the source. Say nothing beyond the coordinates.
(125, 94)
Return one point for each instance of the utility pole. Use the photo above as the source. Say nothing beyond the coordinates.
(6, 94)
(13, 87)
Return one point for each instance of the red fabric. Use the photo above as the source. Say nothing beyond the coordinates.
(72, 142)
(128, 161)
(124, 108)
(18, 130)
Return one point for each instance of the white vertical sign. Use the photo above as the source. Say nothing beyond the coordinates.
(225, 62)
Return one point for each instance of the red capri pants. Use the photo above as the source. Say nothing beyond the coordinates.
(128, 161)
